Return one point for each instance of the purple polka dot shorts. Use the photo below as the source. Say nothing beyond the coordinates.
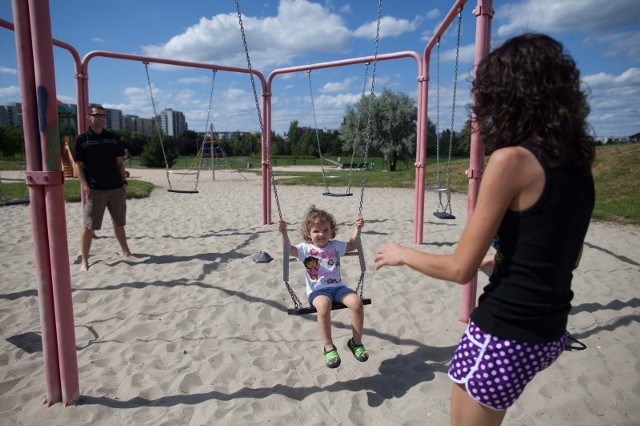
(495, 371)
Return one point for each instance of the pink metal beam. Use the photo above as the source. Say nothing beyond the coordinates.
(421, 151)
(34, 48)
(36, 200)
(76, 60)
(266, 153)
(83, 98)
(52, 179)
(115, 55)
(484, 15)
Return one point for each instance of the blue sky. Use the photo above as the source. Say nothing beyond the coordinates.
(603, 37)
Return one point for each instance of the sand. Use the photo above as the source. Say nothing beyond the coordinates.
(197, 333)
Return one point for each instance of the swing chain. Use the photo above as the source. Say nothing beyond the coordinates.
(453, 108)
(155, 120)
(317, 133)
(206, 128)
(255, 98)
(438, 181)
(370, 112)
(297, 304)
(359, 122)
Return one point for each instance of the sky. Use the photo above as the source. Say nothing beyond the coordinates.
(602, 37)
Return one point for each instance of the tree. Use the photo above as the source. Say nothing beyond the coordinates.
(392, 126)
(464, 139)
(152, 152)
(188, 143)
(11, 141)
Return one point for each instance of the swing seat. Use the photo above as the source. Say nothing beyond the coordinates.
(310, 309)
(337, 194)
(183, 191)
(443, 215)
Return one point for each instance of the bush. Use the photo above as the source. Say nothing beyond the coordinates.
(153, 156)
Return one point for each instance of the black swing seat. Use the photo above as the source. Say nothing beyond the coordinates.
(310, 309)
(183, 191)
(443, 215)
(337, 194)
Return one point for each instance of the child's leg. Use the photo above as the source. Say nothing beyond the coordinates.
(354, 303)
(322, 304)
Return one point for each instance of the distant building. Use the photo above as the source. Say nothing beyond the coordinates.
(11, 115)
(135, 124)
(114, 119)
(172, 123)
(4, 117)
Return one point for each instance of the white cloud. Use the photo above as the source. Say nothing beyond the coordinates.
(11, 93)
(7, 70)
(299, 28)
(389, 27)
(338, 86)
(613, 100)
(558, 16)
(433, 14)
(195, 80)
(619, 44)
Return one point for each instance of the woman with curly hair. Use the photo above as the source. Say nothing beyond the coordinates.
(534, 205)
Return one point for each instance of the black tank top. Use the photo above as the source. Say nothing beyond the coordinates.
(529, 293)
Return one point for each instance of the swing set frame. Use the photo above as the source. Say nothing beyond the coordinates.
(34, 45)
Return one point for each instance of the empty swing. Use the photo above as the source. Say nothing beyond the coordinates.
(327, 191)
(443, 211)
(299, 308)
(347, 192)
(160, 137)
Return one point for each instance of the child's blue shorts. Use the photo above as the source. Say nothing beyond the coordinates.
(335, 293)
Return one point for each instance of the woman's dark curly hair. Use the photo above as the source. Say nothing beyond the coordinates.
(529, 89)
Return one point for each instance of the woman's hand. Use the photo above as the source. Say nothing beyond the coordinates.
(389, 254)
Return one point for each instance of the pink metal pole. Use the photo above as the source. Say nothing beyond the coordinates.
(266, 157)
(420, 164)
(52, 179)
(484, 15)
(418, 225)
(36, 200)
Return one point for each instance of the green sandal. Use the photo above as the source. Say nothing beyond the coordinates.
(331, 358)
(358, 351)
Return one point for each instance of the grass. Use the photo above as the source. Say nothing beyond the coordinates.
(71, 190)
(616, 173)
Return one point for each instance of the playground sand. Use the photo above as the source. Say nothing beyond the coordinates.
(197, 333)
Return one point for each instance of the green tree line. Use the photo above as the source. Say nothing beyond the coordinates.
(383, 125)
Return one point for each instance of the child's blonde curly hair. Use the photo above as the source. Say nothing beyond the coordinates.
(315, 215)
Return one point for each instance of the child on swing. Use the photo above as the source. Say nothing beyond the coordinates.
(320, 254)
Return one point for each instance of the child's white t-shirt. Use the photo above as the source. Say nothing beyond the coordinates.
(322, 265)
